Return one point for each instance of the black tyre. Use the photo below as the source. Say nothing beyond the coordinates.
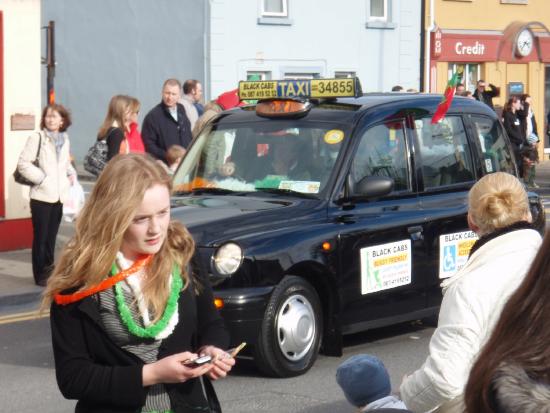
(291, 331)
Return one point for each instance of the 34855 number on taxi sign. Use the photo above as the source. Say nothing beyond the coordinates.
(311, 88)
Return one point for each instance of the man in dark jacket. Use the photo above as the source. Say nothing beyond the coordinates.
(486, 96)
(166, 124)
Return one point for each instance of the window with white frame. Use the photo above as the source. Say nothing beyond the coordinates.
(378, 10)
(470, 74)
(301, 75)
(274, 8)
(258, 75)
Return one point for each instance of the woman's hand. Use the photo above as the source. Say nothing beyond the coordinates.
(221, 364)
(172, 370)
(227, 169)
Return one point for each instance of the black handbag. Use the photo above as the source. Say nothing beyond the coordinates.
(96, 158)
(19, 178)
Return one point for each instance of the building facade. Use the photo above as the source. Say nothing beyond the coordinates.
(376, 40)
(21, 108)
(504, 42)
(105, 47)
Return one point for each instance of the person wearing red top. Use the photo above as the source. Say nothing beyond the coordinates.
(135, 143)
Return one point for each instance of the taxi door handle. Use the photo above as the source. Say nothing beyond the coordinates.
(416, 232)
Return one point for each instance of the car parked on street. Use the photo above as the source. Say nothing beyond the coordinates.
(317, 216)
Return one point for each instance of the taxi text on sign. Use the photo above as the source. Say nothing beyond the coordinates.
(311, 88)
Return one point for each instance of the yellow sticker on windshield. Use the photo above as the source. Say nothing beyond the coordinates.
(334, 136)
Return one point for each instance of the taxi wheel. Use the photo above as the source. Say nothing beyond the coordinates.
(291, 329)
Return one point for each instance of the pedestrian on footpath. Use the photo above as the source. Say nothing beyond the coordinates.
(486, 96)
(511, 374)
(51, 178)
(191, 100)
(514, 129)
(167, 123)
(529, 124)
(498, 212)
(129, 312)
(133, 135)
(115, 126)
(225, 101)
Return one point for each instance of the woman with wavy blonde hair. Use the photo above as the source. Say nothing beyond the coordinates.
(127, 312)
(116, 125)
(498, 212)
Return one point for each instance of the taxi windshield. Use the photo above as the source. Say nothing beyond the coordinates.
(286, 156)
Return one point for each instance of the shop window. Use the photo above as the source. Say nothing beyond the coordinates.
(274, 12)
(446, 156)
(344, 74)
(470, 74)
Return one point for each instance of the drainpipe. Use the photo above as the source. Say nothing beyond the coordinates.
(206, 51)
(427, 51)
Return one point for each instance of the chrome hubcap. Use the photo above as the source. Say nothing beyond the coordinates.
(295, 327)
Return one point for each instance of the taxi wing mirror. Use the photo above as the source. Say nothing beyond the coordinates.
(373, 187)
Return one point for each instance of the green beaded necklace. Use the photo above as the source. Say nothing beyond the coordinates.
(160, 325)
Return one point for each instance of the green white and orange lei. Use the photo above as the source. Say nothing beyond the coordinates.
(132, 274)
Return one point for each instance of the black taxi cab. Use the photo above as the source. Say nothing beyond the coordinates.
(319, 211)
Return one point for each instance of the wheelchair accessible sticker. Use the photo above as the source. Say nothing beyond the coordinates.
(453, 252)
(385, 266)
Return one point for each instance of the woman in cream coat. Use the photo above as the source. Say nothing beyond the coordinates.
(474, 297)
(52, 178)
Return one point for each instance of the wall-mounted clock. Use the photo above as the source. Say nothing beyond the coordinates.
(524, 43)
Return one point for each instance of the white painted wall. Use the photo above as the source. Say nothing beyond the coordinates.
(21, 91)
(324, 35)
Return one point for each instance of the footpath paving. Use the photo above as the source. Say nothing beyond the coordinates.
(18, 291)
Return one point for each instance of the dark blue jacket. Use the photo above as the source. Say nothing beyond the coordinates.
(160, 130)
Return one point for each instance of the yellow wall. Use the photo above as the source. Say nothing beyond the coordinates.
(22, 88)
(488, 14)
(492, 15)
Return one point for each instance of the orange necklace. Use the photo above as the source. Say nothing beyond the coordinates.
(64, 299)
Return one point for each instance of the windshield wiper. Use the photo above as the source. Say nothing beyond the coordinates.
(217, 191)
(221, 191)
(287, 192)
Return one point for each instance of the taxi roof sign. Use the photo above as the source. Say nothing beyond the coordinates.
(305, 89)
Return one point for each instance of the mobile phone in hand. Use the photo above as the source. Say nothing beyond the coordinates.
(199, 361)
(234, 351)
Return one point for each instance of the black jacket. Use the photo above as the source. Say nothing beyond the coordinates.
(91, 368)
(523, 116)
(514, 129)
(160, 130)
(114, 138)
(488, 95)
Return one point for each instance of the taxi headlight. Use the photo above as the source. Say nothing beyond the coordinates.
(228, 258)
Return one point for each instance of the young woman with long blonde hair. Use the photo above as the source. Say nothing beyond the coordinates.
(127, 310)
(473, 298)
(116, 125)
